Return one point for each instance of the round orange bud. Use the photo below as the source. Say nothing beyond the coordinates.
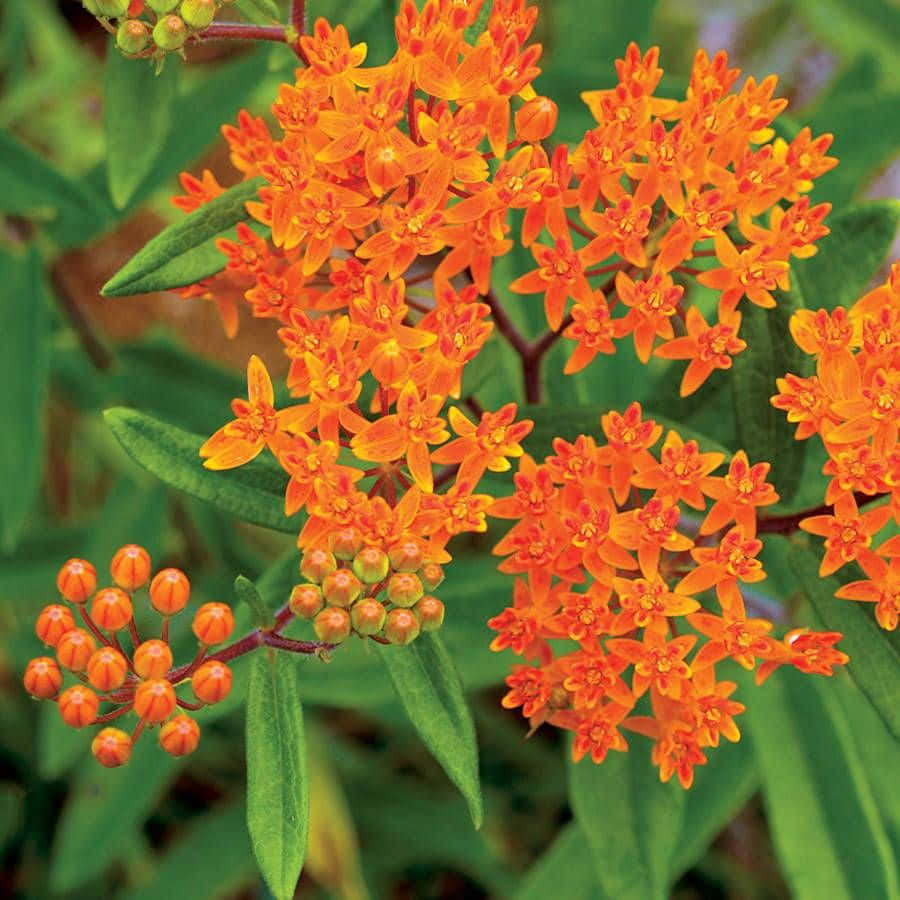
(368, 616)
(346, 543)
(43, 678)
(170, 591)
(53, 622)
(332, 625)
(404, 589)
(112, 609)
(130, 567)
(306, 600)
(106, 669)
(153, 659)
(212, 682)
(536, 119)
(78, 706)
(371, 565)
(407, 556)
(401, 626)
(316, 564)
(154, 700)
(432, 575)
(430, 612)
(77, 580)
(213, 623)
(179, 736)
(74, 649)
(111, 747)
(341, 588)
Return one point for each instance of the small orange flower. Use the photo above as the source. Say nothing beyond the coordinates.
(738, 495)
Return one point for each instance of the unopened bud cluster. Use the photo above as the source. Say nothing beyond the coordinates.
(153, 27)
(142, 681)
(354, 588)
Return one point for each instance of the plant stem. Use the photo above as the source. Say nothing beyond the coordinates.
(298, 16)
(790, 523)
(238, 31)
(505, 325)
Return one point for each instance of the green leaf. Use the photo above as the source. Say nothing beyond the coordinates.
(849, 257)
(630, 821)
(137, 107)
(254, 492)
(261, 12)
(212, 859)
(247, 593)
(874, 653)
(104, 810)
(277, 783)
(167, 260)
(24, 371)
(429, 688)
(763, 431)
(564, 870)
(827, 831)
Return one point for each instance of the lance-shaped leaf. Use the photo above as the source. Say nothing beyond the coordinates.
(138, 108)
(277, 782)
(429, 688)
(253, 492)
(246, 592)
(183, 253)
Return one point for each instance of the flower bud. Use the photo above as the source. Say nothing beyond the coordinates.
(106, 669)
(74, 649)
(316, 564)
(198, 13)
(332, 625)
(152, 659)
(111, 747)
(371, 565)
(78, 706)
(77, 580)
(112, 609)
(135, 8)
(213, 623)
(432, 575)
(130, 567)
(430, 613)
(43, 678)
(53, 622)
(109, 9)
(170, 33)
(132, 36)
(346, 543)
(170, 591)
(306, 600)
(536, 119)
(179, 736)
(368, 616)
(212, 682)
(401, 626)
(154, 700)
(407, 556)
(341, 588)
(160, 7)
(404, 589)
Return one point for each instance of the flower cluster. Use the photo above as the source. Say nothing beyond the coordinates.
(616, 547)
(153, 27)
(143, 681)
(853, 404)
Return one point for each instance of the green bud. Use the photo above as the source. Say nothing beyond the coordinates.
(332, 625)
(401, 626)
(430, 612)
(371, 565)
(341, 588)
(346, 543)
(432, 575)
(198, 13)
(109, 9)
(404, 589)
(368, 616)
(170, 33)
(316, 564)
(161, 7)
(306, 600)
(132, 36)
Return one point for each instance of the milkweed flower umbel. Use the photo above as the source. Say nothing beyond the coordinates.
(617, 561)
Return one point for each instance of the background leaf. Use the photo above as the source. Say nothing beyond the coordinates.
(247, 593)
(429, 688)
(564, 870)
(277, 782)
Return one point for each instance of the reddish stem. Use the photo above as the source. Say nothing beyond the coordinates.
(238, 31)
(506, 326)
(110, 716)
(578, 229)
(790, 523)
(184, 704)
(93, 628)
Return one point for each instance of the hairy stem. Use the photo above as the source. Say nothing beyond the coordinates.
(238, 31)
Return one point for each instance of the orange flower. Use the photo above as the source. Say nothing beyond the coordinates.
(649, 530)
(652, 303)
(593, 329)
(882, 588)
(646, 603)
(680, 472)
(737, 495)
(658, 663)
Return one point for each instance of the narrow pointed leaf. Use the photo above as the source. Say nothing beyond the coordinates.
(246, 592)
(176, 256)
(429, 688)
(564, 870)
(277, 782)
(253, 492)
